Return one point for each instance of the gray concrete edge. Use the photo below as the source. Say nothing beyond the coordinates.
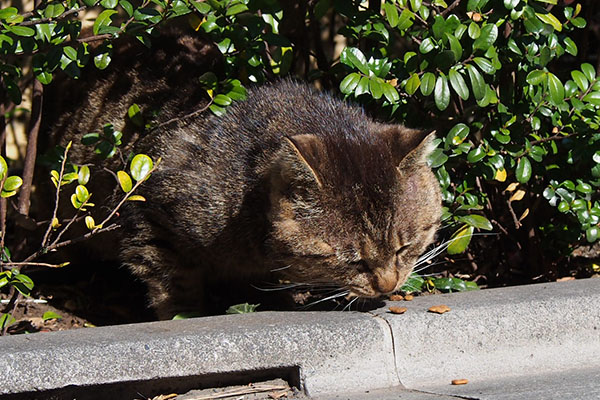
(489, 333)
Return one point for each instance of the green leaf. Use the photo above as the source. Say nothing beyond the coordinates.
(474, 31)
(589, 71)
(242, 308)
(135, 116)
(485, 65)
(412, 84)
(460, 240)
(124, 181)
(455, 46)
(390, 92)
(477, 82)
(580, 79)
(6, 320)
(82, 193)
(570, 46)
(53, 10)
(12, 183)
(8, 12)
(391, 14)
(127, 7)
(3, 168)
(584, 188)
(536, 77)
(217, 110)
(356, 58)
(362, 87)
(102, 60)
(427, 83)
(476, 155)
(489, 34)
(236, 9)
(426, 45)
(140, 167)
(592, 233)
(477, 221)
(83, 175)
(523, 171)
(349, 83)
(50, 315)
(437, 158)
(21, 30)
(222, 100)
(375, 88)
(441, 93)
(103, 19)
(593, 97)
(556, 88)
(458, 84)
(550, 20)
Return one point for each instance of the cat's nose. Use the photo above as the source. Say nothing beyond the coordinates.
(386, 281)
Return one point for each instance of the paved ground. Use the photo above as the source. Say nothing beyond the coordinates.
(530, 342)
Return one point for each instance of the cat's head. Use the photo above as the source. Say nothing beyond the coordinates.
(354, 211)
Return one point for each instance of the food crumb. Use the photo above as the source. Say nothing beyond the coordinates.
(442, 308)
(409, 297)
(396, 297)
(460, 381)
(398, 310)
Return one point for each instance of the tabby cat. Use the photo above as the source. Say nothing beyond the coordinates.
(291, 184)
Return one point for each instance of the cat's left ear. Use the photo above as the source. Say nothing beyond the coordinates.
(409, 147)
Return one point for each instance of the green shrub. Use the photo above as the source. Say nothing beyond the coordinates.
(518, 148)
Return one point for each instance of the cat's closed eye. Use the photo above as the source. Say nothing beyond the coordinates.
(403, 249)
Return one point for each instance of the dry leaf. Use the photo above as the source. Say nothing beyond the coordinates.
(460, 381)
(398, 310)
(566, 278)
(518, 195)
(511, 187)
(525, 213)
(442, 308)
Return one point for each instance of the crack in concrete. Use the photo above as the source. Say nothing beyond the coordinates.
(389, 326)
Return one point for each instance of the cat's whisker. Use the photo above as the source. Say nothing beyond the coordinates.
(343, 293)
(349, 305)
(276, 288)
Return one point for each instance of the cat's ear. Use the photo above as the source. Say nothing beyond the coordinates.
(409, 147)
(300, 157)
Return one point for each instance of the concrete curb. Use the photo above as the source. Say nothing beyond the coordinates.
(532, 330)
(519, 331)
(324, 351)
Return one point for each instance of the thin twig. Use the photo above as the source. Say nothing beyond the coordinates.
(36, 264)
(54, 19)
(450, 7)
(57, 197)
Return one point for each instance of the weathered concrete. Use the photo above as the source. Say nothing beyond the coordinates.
(334, 351)
(510, 332)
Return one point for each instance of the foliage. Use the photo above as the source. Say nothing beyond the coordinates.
(518, 148)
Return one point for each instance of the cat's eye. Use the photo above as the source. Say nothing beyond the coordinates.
(402, 249)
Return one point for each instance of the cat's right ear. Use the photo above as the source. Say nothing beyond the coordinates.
(299, 160)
